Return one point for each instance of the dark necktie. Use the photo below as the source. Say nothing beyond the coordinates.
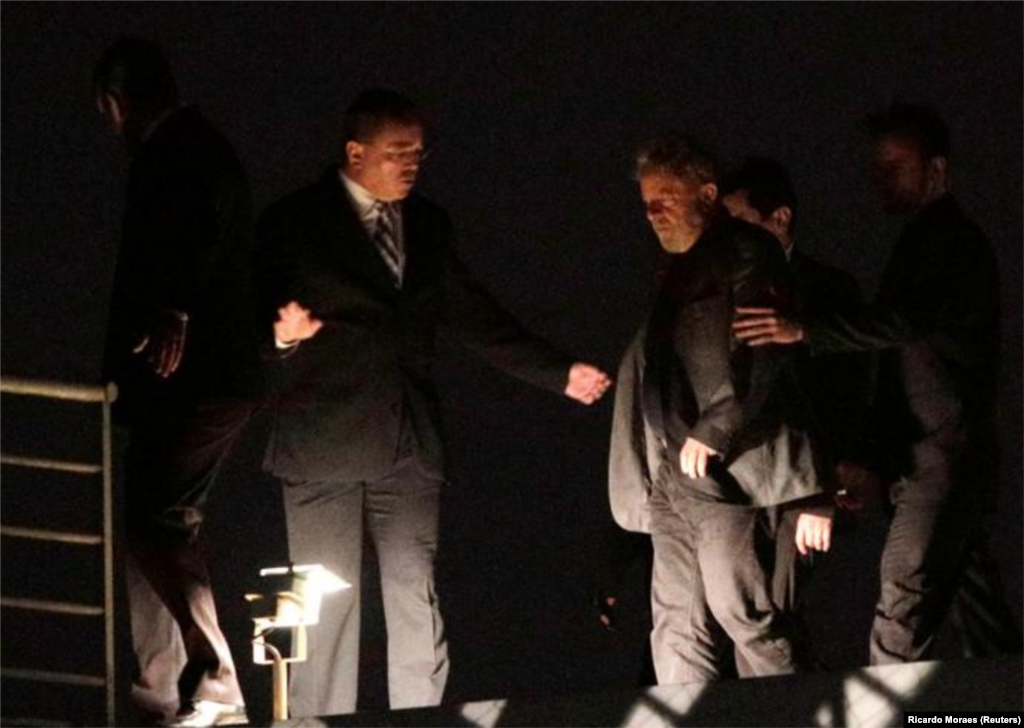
(387, 242)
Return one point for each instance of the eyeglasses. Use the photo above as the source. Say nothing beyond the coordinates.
(405, 156)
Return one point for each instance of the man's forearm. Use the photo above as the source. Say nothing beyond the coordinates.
(869, 328)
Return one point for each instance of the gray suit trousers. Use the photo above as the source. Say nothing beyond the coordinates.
(709, 588)
(325, 521)
(936, 562)
(173, 458)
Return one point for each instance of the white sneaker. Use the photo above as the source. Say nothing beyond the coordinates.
(202, 713)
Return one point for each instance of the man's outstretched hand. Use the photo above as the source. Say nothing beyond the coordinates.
(758, 326)
(294, 324)
(587, 383)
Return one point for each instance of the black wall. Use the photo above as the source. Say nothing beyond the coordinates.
(536, 110)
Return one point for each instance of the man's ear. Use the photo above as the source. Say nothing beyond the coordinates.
(938, 170)
(354, 154)
(115, 107)
(708, 192)
(782, 218)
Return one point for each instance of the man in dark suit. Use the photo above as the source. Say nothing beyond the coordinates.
(708, 436)
(361, 274)
(838, 387)
(933, 428)
(181, 347)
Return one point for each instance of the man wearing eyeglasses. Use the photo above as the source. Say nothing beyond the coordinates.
(360, 274)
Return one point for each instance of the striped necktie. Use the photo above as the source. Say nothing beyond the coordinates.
(387, 242)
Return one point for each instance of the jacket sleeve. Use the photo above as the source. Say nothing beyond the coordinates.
(867, 328)
(491, 333)
(186, 223)
(167, 256)
(276, 279)
(951, 297)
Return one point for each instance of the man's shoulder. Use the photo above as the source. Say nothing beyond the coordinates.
(744, 236)
(951, 235)
(742, 241)
(807, 267)
(187, 155)
(183, 132)
(945, 218)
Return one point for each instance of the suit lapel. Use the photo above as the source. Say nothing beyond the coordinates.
(424, 257)
(344, 232)
(412, 230)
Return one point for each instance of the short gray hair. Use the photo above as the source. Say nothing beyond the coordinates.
(678, 155)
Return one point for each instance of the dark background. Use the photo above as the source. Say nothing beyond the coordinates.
(536, 109)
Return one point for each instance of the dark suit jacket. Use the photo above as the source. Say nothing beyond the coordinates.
(937, 315)
(344, 393)
(838, 387)
(187, 244)
(702, 383)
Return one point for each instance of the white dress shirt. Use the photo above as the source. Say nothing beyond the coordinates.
(366, 208)
(368, 211)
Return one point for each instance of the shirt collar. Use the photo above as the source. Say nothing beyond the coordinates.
(158, 121)
(360, 196)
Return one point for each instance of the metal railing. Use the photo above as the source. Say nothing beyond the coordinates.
(104, 396)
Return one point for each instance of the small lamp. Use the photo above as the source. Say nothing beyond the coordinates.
(281, 613)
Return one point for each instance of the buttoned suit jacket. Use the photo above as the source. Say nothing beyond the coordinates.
(342, 395)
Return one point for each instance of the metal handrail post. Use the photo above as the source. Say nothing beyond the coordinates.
(108, 550)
